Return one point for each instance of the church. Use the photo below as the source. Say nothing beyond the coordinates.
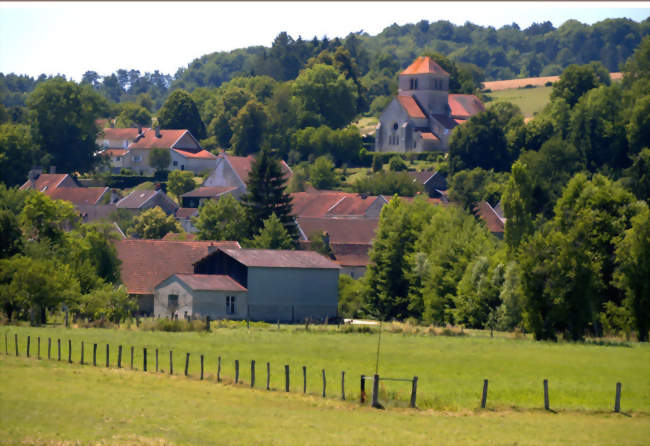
(423, 114)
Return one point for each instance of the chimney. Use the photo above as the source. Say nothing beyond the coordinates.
(326, 238)
(156, 186)
(114, 196)
(212, 248)
(157, 132)
(33, 174)
(139, 129)
(52, 169)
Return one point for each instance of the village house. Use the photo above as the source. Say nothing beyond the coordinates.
(196, 197)
(232, 172)
(141, 200)
(434, 183)
(423, 114)
(326, 203)
(130, 148)
(492, 217)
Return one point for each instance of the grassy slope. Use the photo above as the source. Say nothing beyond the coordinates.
(45, 402)
(450, 369)
(529, 100)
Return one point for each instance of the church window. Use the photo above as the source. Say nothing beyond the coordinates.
(413, 84)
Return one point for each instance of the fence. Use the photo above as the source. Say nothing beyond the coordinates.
(287, 375)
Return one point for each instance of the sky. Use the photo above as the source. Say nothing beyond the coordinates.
(73, 37)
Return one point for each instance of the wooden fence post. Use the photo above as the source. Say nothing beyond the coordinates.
(324, 383)
(156, 360)
(16, 343)
(219, 369)
(207, 323)
(286, 377)
(201, 367)
(252, 373)
(108, 362)
(268, 376)
(67, 319)
(375, 391)
(49, 347)
(236, 371)
(362, 392)
(70, 351)
(144, 359)
(546, 404)
(171, 362)
(304, 379)
(82, 353)
(414, 391)
(6, 345)
(119, 357)
(28, 342)
(132, 357)
(343, 385)
(187, 362)
(38, 351)
(95, 355)
(617, 401)
(484, 396)
(58, 342)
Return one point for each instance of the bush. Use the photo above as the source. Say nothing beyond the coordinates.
(173, 325)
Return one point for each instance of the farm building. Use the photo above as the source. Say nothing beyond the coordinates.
(259, 284)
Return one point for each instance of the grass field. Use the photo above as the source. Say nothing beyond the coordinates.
(529, 100)
(451, 369)
(51, 403)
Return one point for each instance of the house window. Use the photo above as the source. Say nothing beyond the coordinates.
(172, 302)
(137, 158)
(182, 166)
(230, 304)
(174, 163)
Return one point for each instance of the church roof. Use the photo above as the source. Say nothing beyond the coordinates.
(465, 105)
(424, 65)
(412, 108)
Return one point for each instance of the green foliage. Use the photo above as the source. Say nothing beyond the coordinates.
(319, 242)
(107, 302)
(397, 164)
(468, 187)
(132, 115)
(518, 206)
(510, 313)
(341, 145)
(325, 94)
(638, 127)
(64, 126)
(322, 174)
(180, 112)
(638, 175)
(633, 270)
(351, 297)
(387, 183)
(574, 82)
(154, 224)
(272, 236)
(266, 194)
(11, 236)
(222, 219)
(478, 294)
(46, 219)
(248, 129)
(18, 153)
(180, 181)
(160, 159)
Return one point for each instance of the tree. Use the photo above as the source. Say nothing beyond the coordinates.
(160, 159)
(324, 92)
(397, 164)
(180, 112)
(18, 153)
(180, 181)
(154, 224)
(574, 82)
(633, 270)
(248, 129)
(272, 236)
(638, 128)
(639, 175)
(112, 303)
(518, 206)
(11, 236)
(64, 126)
(46, 219)
(222, 219)
(266, 194)
(468, 187)
(322, 174)
(132, 115)
(351, 297)
(387, 183)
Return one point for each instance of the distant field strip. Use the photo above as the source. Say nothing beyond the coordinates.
(529, 100)
(510, 84)
(451, 370)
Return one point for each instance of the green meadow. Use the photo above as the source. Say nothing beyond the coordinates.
(450, 369)
(529, 100)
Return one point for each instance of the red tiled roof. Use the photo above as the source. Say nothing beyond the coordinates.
(465, 105)
(330, 203)
(424, 65)
(351, 254)
(435, 201)
(278, 258)
(208, 191)
(115, 152)
(145, 263)
(49, 180)
(115, 133)
(428, 136)
(410, 106)
(77, 195)
(494, 223)
(341, 230)
(150, 141)
(186, 213)
(461, 121)
(353, 205)
(201, 154)
(242, 166)
(210, 282)
(136, 199)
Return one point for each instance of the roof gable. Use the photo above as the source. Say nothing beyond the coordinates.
(279, 258)
(241, 165)
(411, 107)
(45, 181)
(464, 105)
(424, 65)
